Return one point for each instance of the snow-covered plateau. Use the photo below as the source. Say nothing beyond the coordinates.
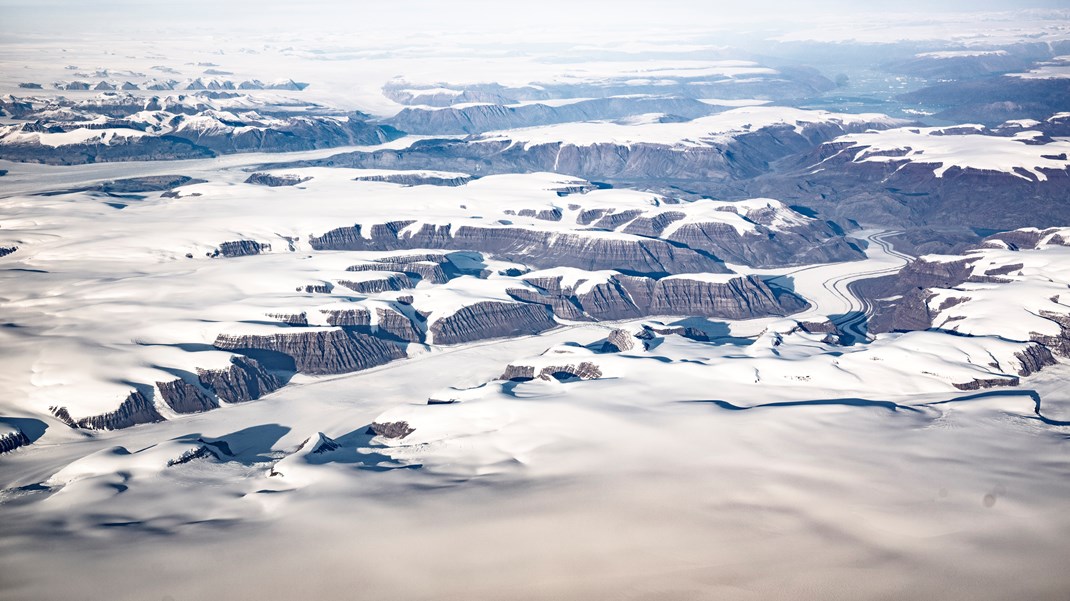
(448, 301)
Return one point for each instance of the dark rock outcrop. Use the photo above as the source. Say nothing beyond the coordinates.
(430, 271)
(981, 383)
(1034, 358)
(13, 440)
(388, 282)
(136, 409)
(908, 291)
(618, 341)
(240, 248)
(491, 319)
(539, 249)
(746, 155)
(584, 370)
(629, 297)
(1059, 343)
(244, 380)
(328, 351)
(275, 181)
(417, 179)
(291, 319)
(186, 397)
(479, 118)
(396, 430)
(7, 250)
(201, 452)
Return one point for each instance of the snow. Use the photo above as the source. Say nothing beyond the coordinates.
(1012, 310)
(710, 278)
(960, 53)
(943, 150)
(704, 131)
(580, 281)
(1057, 68)
(82, 135)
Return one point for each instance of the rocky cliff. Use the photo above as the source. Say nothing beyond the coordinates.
(489, 319)
(9, 441)
(320, 351)
(532, 247)
(136, 409)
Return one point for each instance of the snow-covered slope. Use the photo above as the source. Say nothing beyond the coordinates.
(1027, 154)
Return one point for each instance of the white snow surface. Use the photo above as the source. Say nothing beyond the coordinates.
(704, 131)
(943, 150)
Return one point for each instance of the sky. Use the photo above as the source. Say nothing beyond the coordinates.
(22, 16)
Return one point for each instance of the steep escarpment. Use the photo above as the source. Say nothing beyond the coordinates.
(136, 409)
(590, 251)
(901, 300)
(245, 379)
(813, 242)
(738, 144)
(318, 351)
(484, 117)
(489, 319)
(12, 438)
(240, 248)
(627, 297)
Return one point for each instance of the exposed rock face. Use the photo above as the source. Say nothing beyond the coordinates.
(147, 148)
(554, 214)
(7, 250)
(910, 311)
(429, 271)
(240, 248)
(135, 185)
(981, 383)
(1033, 359)
(739, 298)
(650, 332)
(638, 255)
(815, 242)
(481, 118)
(1059, 344)
(292, 319)
(201, 452)
(522, 373)
(186, 397)
(136, 409)
(397, 430)
(618, 341)
(491, 319)
(905, 194)
(318, 351)
(417, 179)
(746, 155)
(319, 444)
(397, 326)
(349, 317)
(993, 100)
(245, 380)
(12, 441)
(324, 288)
(389, 281)
(177, 127)
(390, 324)
(629, 297)
(274, 181)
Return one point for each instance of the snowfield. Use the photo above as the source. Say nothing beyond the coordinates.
(706, 369)
(1021, 155)
(719, 128)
